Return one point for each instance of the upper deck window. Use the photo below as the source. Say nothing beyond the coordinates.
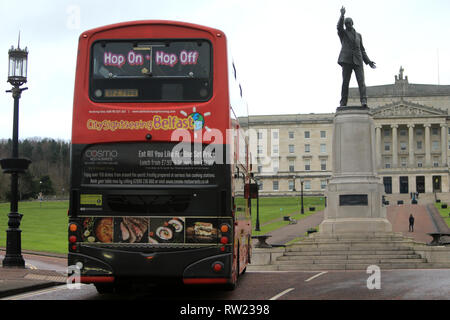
(154, 71)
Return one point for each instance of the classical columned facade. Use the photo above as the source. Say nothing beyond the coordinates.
(412, 143)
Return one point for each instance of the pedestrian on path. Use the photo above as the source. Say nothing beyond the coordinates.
(411, 223)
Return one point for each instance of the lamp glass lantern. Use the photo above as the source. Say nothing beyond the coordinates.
(18, 65)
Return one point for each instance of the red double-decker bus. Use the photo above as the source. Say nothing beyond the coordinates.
(159, 164)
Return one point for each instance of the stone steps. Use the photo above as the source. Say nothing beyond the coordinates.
(354, 266)
(348, 247)
(349, 257)
(351, 252)
(340, 260)
(347, 252)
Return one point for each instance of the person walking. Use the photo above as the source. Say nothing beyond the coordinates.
(411, 223)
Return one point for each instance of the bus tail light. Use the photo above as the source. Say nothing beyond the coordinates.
(72, 239)
(217, 266)
(73, 227)
(224, 228)
(224, 240)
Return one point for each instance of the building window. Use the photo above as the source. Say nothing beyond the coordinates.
(403, 162)
(419, 145)
(307, 135)
(307, 185)
(291, 185)
(307, 164)
(307, 148)
(419, 162)
(291, 148)
(387, 132)
(323, 184)
(323, 164)
(275, 185)
(435, 146)
(403, 146)
(260, 168)
(387, 163)
(275, 134)
(323, 134)
(435, 161)
(259, 149)
(419, 132)
(435, 131)
(403, 133)
(323, 148)
(387, 146)
(260, 135)
(291, 165)
(275, 149)
(275, 165)
(260, 185)
(291, 135)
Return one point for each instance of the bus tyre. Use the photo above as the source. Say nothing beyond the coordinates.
(234, 274)
(104, 288)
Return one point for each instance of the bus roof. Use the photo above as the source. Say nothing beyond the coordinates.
(119, 25)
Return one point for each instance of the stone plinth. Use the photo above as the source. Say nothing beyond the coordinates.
(354, 193)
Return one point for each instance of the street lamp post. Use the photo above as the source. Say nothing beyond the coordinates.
(257, 228)
(302, 210)
(17, 76)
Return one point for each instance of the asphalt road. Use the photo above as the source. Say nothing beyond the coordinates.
(316, 285)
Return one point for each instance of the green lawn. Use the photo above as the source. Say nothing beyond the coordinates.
(275, 208)
(444, 213)
(44, 226)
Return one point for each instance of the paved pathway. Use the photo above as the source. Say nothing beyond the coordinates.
(398, 215)
(292, 231)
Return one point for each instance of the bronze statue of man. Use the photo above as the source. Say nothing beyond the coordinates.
(351, 58)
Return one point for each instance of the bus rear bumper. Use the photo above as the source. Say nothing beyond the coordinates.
(197, 266)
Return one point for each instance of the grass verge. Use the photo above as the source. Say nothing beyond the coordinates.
(44, 225)
(272, 211)
(445, 213)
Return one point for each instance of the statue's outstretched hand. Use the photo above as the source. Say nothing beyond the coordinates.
(372, 64)
(342, 11)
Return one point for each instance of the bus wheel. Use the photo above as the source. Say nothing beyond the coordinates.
(234, 277)
(248, 255)
(103, 288)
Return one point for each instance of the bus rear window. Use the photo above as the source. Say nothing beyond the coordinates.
(144, 70)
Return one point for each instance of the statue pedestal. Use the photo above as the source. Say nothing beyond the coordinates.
(354, 193)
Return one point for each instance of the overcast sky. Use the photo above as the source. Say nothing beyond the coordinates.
(285, 50)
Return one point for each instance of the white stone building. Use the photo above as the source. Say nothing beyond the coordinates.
(412, 142)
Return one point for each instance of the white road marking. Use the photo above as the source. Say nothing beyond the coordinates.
(316, 276)
(35, 293)
(31, 266)
(281, 294)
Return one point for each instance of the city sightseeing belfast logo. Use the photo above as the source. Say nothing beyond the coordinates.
(193, 121)
(198, 120)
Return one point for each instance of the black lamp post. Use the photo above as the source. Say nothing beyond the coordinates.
(302, 210)
(257, 228)
(17, 76)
